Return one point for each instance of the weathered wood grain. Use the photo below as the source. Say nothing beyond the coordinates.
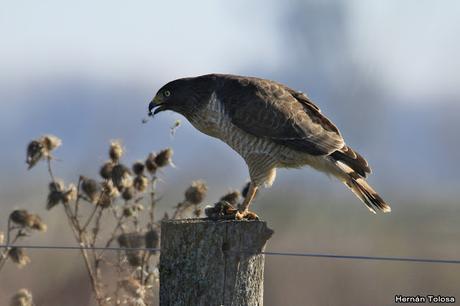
(205, 262)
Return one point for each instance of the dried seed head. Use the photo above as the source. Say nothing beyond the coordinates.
(164, 158)
(150, 163)
(128, 193)
(19, 216)
(36, 223)
(90, 188)
(104, 200)
(152, 239)
(196, 193)
(232, 197)
(140, 183)
(54, 197)
(115, 151)
(121, 177)
(23, 218)
(41, 148)
(22, 298)
(57, 185)
(18, 256)
(108, 194)
(106, 170)
(109, 189)
(39, 225)
(50, 142)
(35, 152)
(138, 168)
(70, 194)
(56, 193)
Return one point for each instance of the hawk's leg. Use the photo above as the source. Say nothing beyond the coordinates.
(243, 210)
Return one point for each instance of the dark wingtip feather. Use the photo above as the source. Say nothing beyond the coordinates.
(370, 197)
(352, 159)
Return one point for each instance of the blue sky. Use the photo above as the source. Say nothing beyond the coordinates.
(385, 72)
(413, 44)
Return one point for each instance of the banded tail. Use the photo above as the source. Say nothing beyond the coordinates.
(354, 171)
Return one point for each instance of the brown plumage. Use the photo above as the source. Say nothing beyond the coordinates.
(271, 126)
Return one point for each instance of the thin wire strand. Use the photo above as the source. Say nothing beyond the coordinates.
(268, 253)
(381, 258)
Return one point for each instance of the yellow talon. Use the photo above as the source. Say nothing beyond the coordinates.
(246, 215)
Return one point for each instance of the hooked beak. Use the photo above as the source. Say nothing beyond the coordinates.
(156, 102)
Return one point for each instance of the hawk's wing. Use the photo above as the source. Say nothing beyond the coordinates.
(267, 109)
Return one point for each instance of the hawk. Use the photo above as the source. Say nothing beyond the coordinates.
(271, 126)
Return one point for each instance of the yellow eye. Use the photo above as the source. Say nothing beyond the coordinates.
(167, 93)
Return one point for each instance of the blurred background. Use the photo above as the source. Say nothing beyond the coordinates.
(386, 72)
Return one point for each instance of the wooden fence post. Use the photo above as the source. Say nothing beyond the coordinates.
(205, 262)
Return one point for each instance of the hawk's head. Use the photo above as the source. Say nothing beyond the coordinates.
(183, 95)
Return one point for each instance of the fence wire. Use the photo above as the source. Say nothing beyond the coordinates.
(268, 253)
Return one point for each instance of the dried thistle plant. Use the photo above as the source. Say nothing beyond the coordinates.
(19, 257)
(41, 148)
(116, 151)
(21, 224)
(118, 199)
(124, 198)
(164, 158)
(193, 197)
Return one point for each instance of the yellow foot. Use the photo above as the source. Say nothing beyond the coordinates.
(246, 215)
